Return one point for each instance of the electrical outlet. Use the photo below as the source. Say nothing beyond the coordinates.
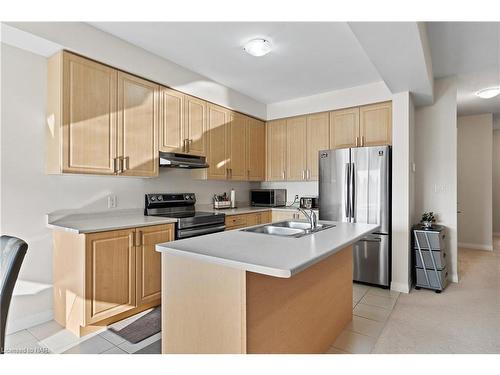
(296, 197)
(112, 201)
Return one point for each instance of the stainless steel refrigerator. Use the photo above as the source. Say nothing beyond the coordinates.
(355, 186)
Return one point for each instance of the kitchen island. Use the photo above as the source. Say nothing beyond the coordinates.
(245, 292)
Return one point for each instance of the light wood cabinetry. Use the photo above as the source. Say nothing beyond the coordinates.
(138, 115)
(375, 124)
(109, 274)
(239, 221)
(172, 121)
(256, 150)
(218, 118)
(100, 120)
(100, 278)
(369, 125)
(318, 134)
(344, 128)
(195, 119)
(296, 136)
(276, 141)
(148, 261)
(236, 153)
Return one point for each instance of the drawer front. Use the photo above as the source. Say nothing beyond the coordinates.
(436, 240)
(434, 281)
(236, 220)
(439, 259)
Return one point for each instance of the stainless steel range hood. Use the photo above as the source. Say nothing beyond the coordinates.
(173, 160)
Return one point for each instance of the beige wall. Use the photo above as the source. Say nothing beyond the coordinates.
(436, 163)
(475, 158)
(496, 181)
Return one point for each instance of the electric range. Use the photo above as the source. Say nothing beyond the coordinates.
(180, 206)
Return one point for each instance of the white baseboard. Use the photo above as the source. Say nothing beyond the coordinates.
(14, 325)
(475, 246)
(400, 287)
(453, 277)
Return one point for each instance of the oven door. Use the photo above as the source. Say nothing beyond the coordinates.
(198, 231)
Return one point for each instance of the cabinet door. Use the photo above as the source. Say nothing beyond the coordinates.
(344, 128)
(318, 138)
(276, 150)
(236, 146)
(256, 150)
(148, 261)
(376, 124)
(216, 136)
(89, 116)
(172, 121)
(195, 125)
(109, 274)
(138, 113)
(296, 133)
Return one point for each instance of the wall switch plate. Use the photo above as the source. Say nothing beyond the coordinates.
(112, 201)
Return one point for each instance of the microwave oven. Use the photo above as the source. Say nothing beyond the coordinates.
(268, 197)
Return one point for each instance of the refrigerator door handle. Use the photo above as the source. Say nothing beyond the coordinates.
(352, 193)
(347, 169)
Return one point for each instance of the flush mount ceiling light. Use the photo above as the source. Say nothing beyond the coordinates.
(258, 47)
(488, 93)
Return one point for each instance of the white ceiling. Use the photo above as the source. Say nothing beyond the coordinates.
(471, 51)
(307, 57)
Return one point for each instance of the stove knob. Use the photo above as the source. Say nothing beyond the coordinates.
(160, 197)
(153, 198)
(192, 197)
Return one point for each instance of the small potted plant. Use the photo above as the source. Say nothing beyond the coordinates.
(427, 219)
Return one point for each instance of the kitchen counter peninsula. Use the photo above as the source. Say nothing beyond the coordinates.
(246, 292)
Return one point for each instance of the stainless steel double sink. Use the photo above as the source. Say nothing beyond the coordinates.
(289, 228)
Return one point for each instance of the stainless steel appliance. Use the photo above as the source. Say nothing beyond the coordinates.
(309, 202)
(174, 160)
(268, 197)
(355, 186)
(190, 223)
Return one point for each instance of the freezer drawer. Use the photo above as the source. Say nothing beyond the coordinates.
(439, 258)
(371, 260)
(434, 281)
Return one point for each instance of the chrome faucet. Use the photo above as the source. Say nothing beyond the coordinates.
(311, 216)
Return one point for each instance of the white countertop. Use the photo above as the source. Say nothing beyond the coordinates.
(267, 254)
(243, 209)
(104, 221)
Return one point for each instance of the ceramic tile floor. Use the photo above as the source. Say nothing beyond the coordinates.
(371, 308)
(50, 337)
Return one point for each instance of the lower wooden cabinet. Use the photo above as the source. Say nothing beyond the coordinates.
(246, 220)
(100, 278)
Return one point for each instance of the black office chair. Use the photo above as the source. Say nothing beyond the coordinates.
(12, 252)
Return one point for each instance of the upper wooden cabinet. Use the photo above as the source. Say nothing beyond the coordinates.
(218, 118)
(183, 123)
(344, 128)
(236, 153)
(369, 125)
(138, 112)
(100, 120)
(172, 121)
(276, 141)
(256, 150)
(318, 134)
(376, 124)
(296, 150)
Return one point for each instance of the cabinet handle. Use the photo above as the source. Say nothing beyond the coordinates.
(120, 164)
(308, 174)
(248, 174)
(137, 239)
(114, 165)
(357, 141)
(362, 140)
(283, 174)
(126, 163)
(188, 145)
